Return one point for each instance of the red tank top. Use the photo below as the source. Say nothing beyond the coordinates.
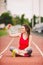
(23, 43)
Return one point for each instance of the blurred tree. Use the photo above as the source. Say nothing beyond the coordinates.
(6, 18)
(30, 23)
(22, 19)
(26, 21)
(42, 19)
(17, 20)
(34, 19)
(0, 20)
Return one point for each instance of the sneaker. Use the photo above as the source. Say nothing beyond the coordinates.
(13, 53)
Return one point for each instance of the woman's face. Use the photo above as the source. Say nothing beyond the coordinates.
(23, 29)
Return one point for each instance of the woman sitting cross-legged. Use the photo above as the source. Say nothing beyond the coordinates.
(24, 42)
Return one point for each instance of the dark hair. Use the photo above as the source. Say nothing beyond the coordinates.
(27, 28)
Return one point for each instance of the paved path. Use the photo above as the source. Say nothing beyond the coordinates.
(7, 59)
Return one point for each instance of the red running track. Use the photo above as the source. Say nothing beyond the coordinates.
(35, 59)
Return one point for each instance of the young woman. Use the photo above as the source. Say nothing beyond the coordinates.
(24, 42)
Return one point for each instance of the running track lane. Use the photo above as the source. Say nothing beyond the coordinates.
(7, 59)
(38, 40)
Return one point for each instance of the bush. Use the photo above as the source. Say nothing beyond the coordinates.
(6, 18)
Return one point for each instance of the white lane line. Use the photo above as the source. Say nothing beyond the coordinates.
(6, 48)
(38, 48)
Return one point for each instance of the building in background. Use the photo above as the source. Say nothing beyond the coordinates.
(3, 6)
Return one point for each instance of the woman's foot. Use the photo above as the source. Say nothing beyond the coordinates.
(13, 53)
(27, 55)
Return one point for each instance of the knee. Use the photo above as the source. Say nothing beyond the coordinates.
(11, 49)
(29, 51)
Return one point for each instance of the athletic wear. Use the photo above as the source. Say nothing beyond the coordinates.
(23, 43)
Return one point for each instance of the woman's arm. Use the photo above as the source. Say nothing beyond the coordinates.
(13, 35)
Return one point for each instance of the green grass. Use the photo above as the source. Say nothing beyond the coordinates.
(3, 32)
